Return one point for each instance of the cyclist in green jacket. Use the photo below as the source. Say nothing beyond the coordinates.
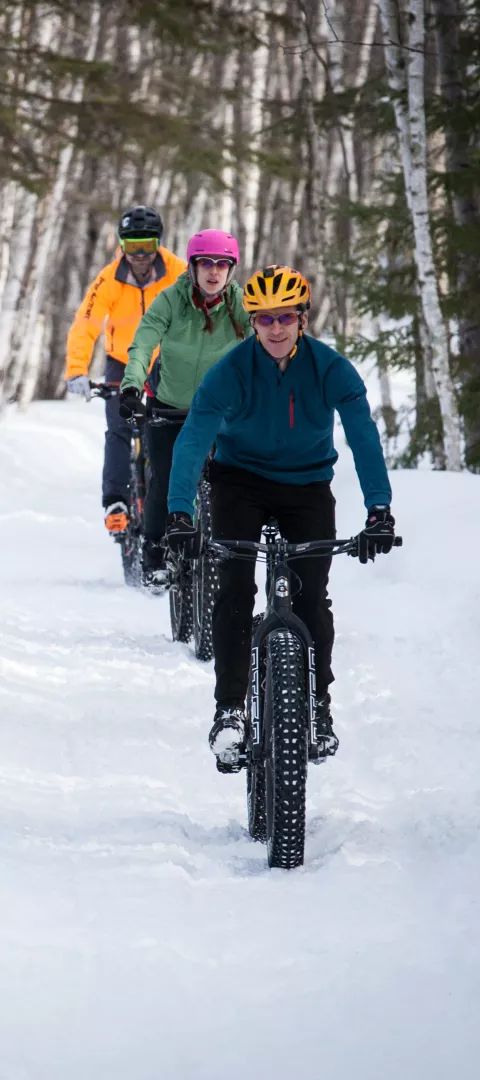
(195, 322)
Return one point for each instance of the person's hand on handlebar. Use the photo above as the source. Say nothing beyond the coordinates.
(131, 404)
(181, 536)
(80, 384)
(378, 535)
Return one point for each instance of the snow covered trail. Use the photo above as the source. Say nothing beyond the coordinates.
(141, 934)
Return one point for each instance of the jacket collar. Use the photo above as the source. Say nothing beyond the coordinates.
(124, 274)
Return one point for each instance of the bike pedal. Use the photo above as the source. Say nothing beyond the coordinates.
(314, 758)
(317, 755)
(231, 761)
(155, 581)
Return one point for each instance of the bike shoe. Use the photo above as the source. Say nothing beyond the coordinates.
(227, 737)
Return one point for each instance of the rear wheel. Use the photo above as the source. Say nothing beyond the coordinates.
(256, 795)
(286, 750)
(180, 597)
(205, 580)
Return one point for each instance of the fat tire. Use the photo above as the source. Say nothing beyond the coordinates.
(256, 792)
(205, 580)
(181, 603)
(131, 544)
(286, 750)
(131, 551)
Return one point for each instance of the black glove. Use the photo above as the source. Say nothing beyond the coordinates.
(378, 534)
(131, 404)
(181, 536)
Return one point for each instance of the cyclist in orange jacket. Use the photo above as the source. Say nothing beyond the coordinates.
(116, 302)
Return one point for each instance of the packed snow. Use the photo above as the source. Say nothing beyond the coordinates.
(142, 935)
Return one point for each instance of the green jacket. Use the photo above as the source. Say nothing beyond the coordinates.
(187, 351)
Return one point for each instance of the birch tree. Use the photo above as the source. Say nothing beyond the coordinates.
(406, 77)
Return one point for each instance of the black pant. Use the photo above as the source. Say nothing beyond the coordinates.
(160, 440)
(118, 436)
(241, 503)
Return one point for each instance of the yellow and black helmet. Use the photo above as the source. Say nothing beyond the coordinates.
(276, 287)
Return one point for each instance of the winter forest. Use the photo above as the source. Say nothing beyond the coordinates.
(143, 935)
(343, 137)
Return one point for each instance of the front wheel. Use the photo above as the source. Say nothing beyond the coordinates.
(131, 550)
(256, 795)
(131, 542)
(286, 750)
(180, 597)
(205, 580)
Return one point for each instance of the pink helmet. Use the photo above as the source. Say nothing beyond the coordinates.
(215, 243)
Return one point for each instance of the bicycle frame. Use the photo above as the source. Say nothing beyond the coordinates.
(279, 615)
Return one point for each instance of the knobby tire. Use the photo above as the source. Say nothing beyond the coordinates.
(285, 719)
(205, 580)
(181, 603)
(256, 794)
(131, 543)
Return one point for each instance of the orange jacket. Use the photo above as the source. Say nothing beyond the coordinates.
(116, 301)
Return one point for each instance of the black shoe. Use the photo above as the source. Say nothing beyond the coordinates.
(154, 570)
(326, 744)
(227, 737)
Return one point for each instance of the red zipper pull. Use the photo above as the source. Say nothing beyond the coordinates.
(291, 410)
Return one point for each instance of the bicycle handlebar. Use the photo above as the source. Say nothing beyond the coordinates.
(158, 414)
(249, 549)
(104, 390)
(164, 415)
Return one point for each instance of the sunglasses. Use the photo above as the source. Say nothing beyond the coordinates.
(287, 318)
(206, 264)
(131, 246)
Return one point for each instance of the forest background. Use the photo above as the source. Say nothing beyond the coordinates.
(341, 136)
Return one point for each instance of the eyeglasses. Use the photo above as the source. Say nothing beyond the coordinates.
(206, 264)
(287, 318)
(132, 246)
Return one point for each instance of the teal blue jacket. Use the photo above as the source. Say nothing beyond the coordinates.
(279, 424)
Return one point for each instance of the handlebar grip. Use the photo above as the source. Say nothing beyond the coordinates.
(398, 542)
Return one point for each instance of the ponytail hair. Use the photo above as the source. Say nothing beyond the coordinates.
(239, 331)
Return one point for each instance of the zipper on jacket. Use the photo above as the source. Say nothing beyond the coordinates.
(291, 409)
(143, 302)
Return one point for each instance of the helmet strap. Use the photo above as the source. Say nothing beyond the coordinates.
(300, 335)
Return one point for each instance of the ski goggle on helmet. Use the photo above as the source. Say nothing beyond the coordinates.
(136, 245)
(212, 247)
(276, 287)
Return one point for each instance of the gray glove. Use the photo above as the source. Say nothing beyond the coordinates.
(80, 385)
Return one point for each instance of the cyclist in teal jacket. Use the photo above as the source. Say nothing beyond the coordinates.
(269, 407)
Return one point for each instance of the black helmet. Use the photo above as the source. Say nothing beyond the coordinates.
(140, 221)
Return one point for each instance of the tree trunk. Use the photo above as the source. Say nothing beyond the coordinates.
(413, 146)
(50, 218)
